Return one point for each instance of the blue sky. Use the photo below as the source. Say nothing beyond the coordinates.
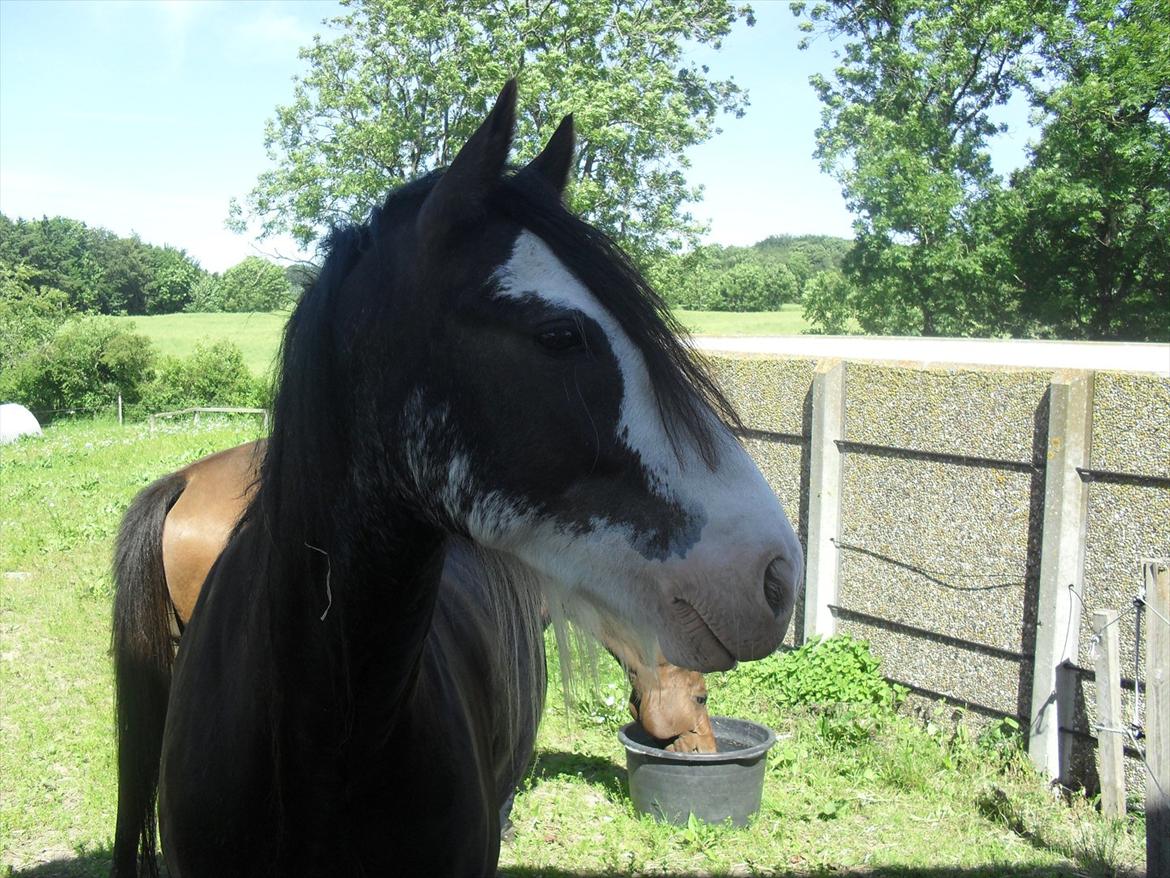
(149, 117)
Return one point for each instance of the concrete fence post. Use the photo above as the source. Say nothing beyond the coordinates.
(1110, 743)
(824, 498)
(1156, 576)
(1062, 556)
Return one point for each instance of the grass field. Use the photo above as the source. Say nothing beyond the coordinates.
(258, 335)
(902, 798)
(786, 321)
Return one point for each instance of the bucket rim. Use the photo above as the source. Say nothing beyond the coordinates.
(718, 723)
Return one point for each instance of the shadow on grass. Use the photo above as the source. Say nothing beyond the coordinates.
(595, 769)
(88, 864)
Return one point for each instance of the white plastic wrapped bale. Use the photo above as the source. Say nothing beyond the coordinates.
(17, 421)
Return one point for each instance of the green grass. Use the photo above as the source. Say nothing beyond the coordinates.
(786, 321)
(842, 794)
(256, 334)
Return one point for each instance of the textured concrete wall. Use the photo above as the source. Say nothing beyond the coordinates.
(942, 513)
(1128, 519)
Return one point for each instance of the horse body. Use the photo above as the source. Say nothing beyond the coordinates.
(474, 364)
(216, 491)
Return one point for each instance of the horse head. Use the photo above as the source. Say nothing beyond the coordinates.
(505, 374)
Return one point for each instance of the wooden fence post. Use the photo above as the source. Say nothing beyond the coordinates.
(1156, 575)
(823, 561)
(1110, 743)
(1062, 563)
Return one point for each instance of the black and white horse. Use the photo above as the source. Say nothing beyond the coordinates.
(477, 371)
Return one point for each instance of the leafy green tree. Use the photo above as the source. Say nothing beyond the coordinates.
(1077, 244)
(95, 269)
(215, 374)
(1089, 217)
(405, 82)
(206, 295)
(28, 316)
(56, 252)
(84, 366)
(173, 278)
(125, 269)
(827, 303)
(751, 285)
(904, 128)
(254, 284)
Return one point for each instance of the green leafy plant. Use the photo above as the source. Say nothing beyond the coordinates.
(84, 366)
(215, 374)
(698, 835)
(837, 670)
(1002, 739)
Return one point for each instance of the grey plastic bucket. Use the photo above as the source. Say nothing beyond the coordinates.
(712, 786)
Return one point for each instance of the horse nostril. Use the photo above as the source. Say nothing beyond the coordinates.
(780, 587)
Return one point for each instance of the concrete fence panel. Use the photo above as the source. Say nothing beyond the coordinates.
(981, 514)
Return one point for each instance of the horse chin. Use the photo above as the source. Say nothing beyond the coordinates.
(690, 643)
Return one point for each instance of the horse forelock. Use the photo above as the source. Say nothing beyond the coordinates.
(684, 391)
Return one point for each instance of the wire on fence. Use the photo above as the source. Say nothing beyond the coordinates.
(1136, 729)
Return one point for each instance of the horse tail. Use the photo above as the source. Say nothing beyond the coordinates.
(143, 654)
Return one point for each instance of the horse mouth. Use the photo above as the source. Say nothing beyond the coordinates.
(705, 649)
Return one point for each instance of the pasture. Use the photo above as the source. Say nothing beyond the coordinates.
(258, 334)
(846, 792)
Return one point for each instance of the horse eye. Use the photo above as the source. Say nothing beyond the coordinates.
(560, 338)
(700, 699)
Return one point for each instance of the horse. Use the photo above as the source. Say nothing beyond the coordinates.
(474, 367)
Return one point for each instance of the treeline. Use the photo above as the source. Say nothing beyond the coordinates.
(762, 277)
(89, 270)
(1075, 244)
(60, 349)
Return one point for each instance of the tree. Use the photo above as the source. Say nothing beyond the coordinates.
(827, 303)
(173, 278)
(1089, 217)
(405, 82)
(95, 269)
(57, 255)
(206, 295)
(1076, 244)
(28, 316)
(85, 365)
(254, 284)
(904, 128)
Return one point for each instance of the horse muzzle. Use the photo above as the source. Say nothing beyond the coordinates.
(714, 623)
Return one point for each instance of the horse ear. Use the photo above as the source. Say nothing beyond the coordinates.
(459, 194)
(556, 159)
